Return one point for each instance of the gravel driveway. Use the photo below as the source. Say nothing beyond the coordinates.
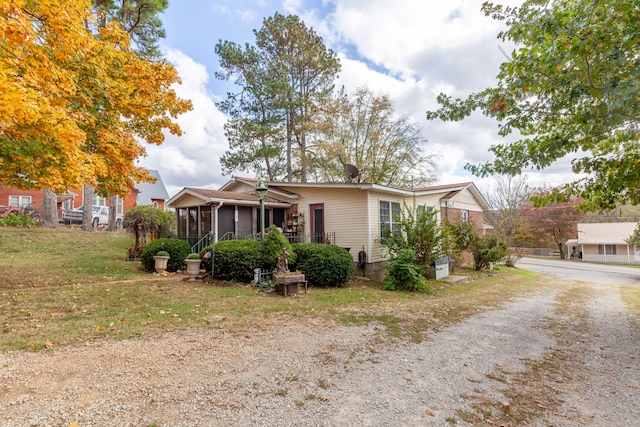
(313, 373)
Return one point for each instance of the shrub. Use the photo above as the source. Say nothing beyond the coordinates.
(488, 249)
(147, 223)
(462, 237)
(405, 274)
(18, 220)
(194, 256)
(178, 250)
(272, 246)
(420, 230)
(323, 265)
(233, 259)
(155, 222)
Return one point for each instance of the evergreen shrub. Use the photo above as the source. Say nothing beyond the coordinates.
(272, 246)
(322, 265)
(233, 259)
(178, 250)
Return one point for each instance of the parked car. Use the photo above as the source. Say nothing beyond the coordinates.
(100, 216)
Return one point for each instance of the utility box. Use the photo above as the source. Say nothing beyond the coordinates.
(441, 268)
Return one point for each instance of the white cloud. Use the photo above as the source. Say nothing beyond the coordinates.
(191, 159)
(411, 50)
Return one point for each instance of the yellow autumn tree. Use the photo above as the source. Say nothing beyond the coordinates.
(75, 100)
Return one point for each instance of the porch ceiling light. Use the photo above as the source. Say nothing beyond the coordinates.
(261, 189)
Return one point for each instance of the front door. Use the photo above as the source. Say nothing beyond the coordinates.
(317, 222)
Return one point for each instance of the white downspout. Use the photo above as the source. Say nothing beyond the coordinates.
(369, 247)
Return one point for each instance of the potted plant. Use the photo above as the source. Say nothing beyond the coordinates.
(193, 261)
(162, 259)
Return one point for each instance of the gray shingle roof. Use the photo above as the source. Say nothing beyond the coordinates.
(147, 191)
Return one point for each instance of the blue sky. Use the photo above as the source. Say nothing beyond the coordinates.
(410, 50)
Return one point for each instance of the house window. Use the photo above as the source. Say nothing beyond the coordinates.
(423, 208)
(464, 215)
(119, 205)
(98, 200)
(606, 249)
(21, 201)
(389, 218)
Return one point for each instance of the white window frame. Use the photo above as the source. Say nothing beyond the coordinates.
(119, 205)
(464, 215)
(388, 222)
(99, 200)
(20, 201)
(607, 249)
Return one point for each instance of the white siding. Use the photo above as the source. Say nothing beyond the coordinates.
(187, 201)
(465, 200)
(344, 214)
(378, 252)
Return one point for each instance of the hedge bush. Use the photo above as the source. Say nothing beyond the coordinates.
(178, 250)
(323, 265)
(233, 259)
(272, 246)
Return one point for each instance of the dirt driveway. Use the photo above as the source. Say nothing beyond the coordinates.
(567, 357)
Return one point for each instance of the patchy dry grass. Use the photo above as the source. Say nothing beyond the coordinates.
(61, 287)
(631, 298)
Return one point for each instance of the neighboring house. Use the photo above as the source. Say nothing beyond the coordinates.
(351, 215)
(141, 194)
(604, 242)
(152, 194)
(32, 200)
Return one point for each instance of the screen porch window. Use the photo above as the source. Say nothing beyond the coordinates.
(389, 218)
(606, 249)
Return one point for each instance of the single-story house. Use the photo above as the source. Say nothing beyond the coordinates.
(350, 215)
(604, 242)
(142, 194)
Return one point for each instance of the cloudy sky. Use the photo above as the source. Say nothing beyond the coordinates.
(411, 50)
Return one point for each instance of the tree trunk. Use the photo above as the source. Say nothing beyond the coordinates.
(87, 202)
(50, 209)
(113, 205)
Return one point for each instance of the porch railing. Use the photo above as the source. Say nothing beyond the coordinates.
(209, 238)
(205, 241)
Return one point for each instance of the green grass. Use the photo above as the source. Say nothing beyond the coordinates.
(44, 258)
(65, 287)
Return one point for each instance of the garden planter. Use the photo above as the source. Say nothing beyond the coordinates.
(161, 263)
(193, 268)
(287, 283)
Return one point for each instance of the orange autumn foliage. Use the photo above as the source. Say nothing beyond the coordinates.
(75, 100)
